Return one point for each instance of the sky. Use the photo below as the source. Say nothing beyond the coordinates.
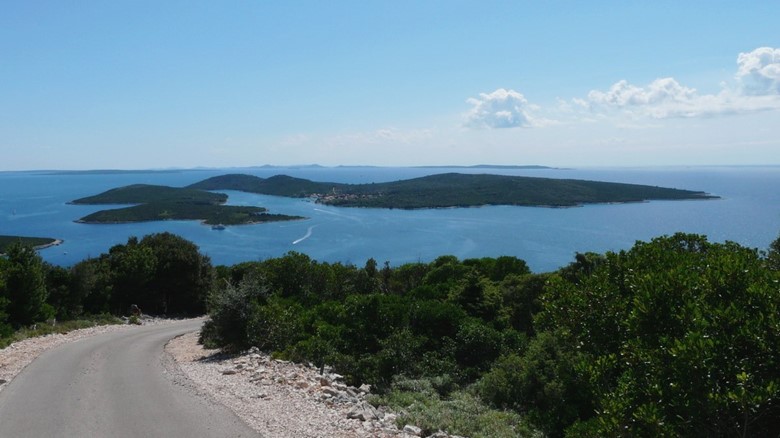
(177, 84)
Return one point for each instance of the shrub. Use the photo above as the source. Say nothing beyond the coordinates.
(462, 413)
(231, 309)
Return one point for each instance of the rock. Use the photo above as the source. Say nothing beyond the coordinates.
(229, 371)
(3, 381)
(389, 419)
(364, 412)
(365, 388)
(331, 391)
(335, 377)
(412, 430)
(324, 381)
(438, 434)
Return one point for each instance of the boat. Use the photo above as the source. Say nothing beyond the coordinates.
(218, 227)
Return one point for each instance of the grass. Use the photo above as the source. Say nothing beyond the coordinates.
(47, 328)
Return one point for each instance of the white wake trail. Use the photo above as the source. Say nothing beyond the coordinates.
(306, 236)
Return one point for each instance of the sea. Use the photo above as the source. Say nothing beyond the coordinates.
(36, 203)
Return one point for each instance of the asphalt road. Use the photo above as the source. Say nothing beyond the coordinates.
(118, 384)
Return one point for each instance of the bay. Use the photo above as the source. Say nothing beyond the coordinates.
(35, 204)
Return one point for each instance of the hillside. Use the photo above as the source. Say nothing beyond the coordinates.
(452, 190)
(36, 242)
(156, 203)
(145, 193)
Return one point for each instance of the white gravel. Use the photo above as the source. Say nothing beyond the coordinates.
(276, 398)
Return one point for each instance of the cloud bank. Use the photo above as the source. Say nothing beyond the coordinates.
(757, 88)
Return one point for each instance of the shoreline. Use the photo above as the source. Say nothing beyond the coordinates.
(55, 242)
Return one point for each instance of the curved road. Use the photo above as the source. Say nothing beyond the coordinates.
(118, 384)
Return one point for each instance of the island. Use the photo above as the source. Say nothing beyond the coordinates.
(451, 190)
(156, 203)
(35, 242)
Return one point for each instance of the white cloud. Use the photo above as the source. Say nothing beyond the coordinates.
(758, 78)
(759, 72)
(660, 91)
(500, 109)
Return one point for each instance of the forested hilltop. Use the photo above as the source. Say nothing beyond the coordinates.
(678, 336)
(156, 203)
(450, 190)
(35, 242)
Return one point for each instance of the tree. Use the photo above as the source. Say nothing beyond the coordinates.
(683, 338)
(59, 286)
(25, 286)
(5, 326)
(182, 276)
(773, 255)
(133, 268)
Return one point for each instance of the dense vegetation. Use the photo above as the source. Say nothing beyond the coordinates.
(675, 337)
(162, 273)
(7, 241)
(678, 336)
(158, 203)
(145, 193)
(209, 214)
(450, 190)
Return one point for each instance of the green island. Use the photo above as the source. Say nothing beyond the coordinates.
(35, 242)
(156, 203)
(451, 190)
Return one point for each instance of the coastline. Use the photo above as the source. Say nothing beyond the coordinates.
(55, 242)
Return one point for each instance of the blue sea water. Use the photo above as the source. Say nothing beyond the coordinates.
(36, 204)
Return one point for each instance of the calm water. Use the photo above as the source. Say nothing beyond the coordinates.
(35, 204)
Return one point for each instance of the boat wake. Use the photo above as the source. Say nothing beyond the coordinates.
(306, 236)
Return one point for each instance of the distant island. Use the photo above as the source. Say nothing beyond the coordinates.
(451, 190)
(492, 166)
(35, 242)
(156, 203)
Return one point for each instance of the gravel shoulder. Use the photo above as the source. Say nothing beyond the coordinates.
(279, 398)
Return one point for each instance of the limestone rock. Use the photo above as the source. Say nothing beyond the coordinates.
(363, 411)
(412, 430)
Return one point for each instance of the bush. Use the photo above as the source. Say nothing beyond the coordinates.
(543, 382)
(276, 325)
(462, 413)
(231, 309)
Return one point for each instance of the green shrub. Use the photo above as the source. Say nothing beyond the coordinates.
(462, 413)
(231, 308)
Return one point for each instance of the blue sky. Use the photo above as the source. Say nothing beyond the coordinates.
(137, 84)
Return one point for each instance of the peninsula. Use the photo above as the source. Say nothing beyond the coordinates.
(35, 242)
(156, 203)
(451, 190)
